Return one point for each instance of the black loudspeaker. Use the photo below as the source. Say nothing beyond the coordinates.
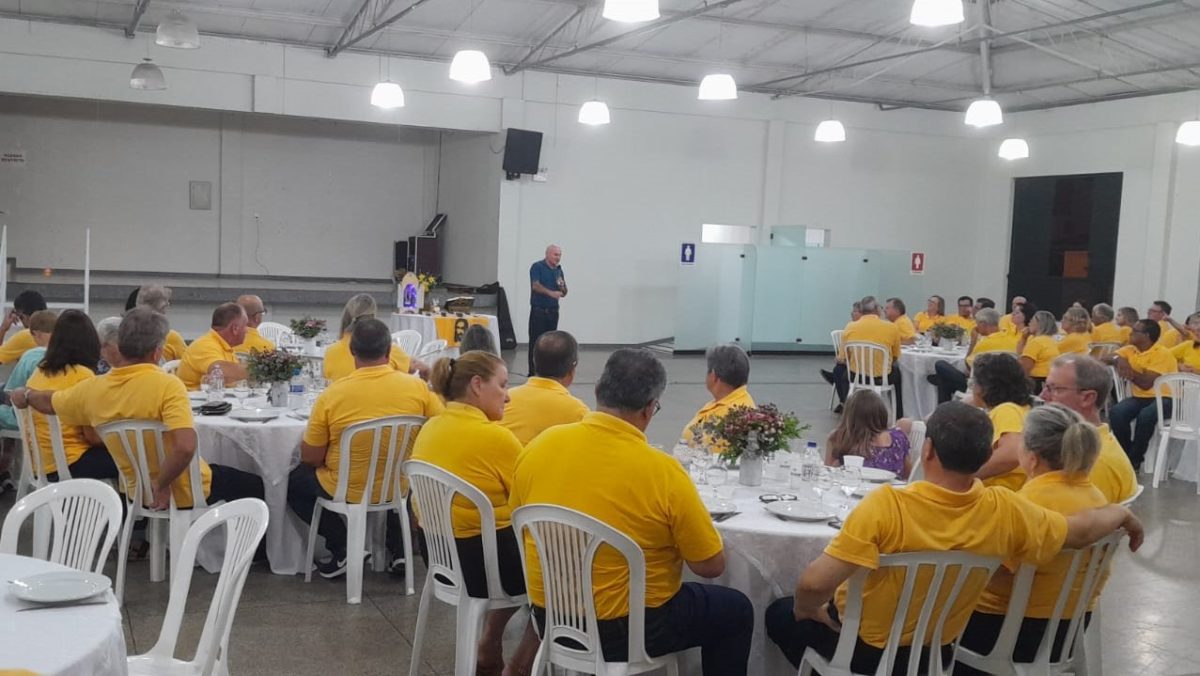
(400, 260)
(522, 151)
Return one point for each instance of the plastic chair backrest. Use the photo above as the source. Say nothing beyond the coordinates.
(864, 359)
(408, 340)
(245, 524)
(916, 442)
(931, 618)
(1184, 391)
(1120, 384)
(128, 438)
(1103, 350)
(836, 337)
(434, 489)
(566, 542)
(1085, 573)
(432, 347)
(172, 366)
(399, 431)
(276, 333)
(85, 518)
(27, 428)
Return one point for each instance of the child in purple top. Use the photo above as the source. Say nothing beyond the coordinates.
(864, 431)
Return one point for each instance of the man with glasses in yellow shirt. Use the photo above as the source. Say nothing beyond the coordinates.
(1141, 362)
(949, 510)
(603, 467)
(1160, 312)
(966, 314)
(24, 305)
(215, 348)
(544, 400)
(256, 312)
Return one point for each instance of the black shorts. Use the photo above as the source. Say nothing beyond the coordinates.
(474, 577)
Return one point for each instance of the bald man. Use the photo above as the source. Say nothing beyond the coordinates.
(255, 313)
(547, 285)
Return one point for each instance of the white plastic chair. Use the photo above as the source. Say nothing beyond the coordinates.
(85, 516)
(245, 523)
(566, 543)
(400, 432)
(861, 359)
(930, 621)
(916, 442)
(1184, 422)
(25, 473)
(434, 489)
(431, 348)
(33, 470)
(1103, 351)
(1084, 573)
(277, 333)
(408, 340)
(129, 438)
(836, 337)
(172, 366)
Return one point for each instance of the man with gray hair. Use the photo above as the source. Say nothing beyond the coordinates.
(107, 330)
(158, 298)
(547, 286)
(1082, 383)
(987, 337)
(603, 467)
(728, 373)
(870, 328)
(1104, 329)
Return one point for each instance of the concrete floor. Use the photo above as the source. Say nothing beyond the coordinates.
(285, 626)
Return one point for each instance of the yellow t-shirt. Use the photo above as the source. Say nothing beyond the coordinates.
(254, 341)
(367, 393)
(201, 355)
(717, 408)
(1064, 494)
(137, 392)
(1157, 359)
(1108, 332)
(339, 363)
(907, 330)
(1007, 418)
(74, 444)
(995, 342)
(1168, 337)
(872, 329)
(17, 345)
(927, 517)
(465, 443)
(539, 404)
(1042, 350)
(173, 346)
(1113, 473)
(925, 322)
(967, 323)
(1074, 343)
(1187, 353)
(640, 491)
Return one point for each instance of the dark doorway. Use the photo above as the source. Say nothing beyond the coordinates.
(1064, 239)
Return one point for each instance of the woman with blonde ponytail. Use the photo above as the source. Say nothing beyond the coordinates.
(466, 441)
(339, 363)
(1058, 450)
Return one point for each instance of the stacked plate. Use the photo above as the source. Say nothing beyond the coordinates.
(801, 511)
(59, 587)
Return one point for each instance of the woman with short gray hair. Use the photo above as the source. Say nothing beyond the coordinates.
(107, 330)
(158, 298)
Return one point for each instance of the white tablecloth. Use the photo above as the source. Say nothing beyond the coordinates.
(424, 325)
(83, 640)
(269, 450)
(920, 398)
(764, 557)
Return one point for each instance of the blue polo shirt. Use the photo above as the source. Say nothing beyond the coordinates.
(542, 273)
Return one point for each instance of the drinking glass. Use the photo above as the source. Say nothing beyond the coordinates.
(716, 477)
(848, 480)
(205, 383)
(823, 482)
(241, 390)
(702, 460)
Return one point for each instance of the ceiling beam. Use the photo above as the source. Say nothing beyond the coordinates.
(546, 40)
(640, 30)
(1101, 99)
(1100, 31)
(364, 24)
(138, 10)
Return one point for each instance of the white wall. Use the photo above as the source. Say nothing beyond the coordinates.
(469, 194)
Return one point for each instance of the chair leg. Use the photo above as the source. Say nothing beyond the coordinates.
(155, 532)
(422, 621)
(123, 553)
(178, 526)
(470, 625)
(377, 527)
(806, 668)
(42, 524)
(1160, 461)
(406, 541)
(356, 537)
(312, 542)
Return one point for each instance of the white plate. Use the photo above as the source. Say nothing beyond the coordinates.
(877, 476)
(794, 510)
(59, 587)
(716, 505)
(198, 396)
(254, 414)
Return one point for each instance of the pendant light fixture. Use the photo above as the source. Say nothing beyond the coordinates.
(630, 11)
(470, 66)
(387, 94)
(984, 112)
(1189, 133)
(177, 31)
(717, 87)
(147, 77)
(830, 131)
(594, 113)
(1013, 149)
(934, 13)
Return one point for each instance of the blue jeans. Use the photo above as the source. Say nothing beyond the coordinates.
(1133, 422)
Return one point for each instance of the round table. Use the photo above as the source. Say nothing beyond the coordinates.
(84, 640)
(919, 396)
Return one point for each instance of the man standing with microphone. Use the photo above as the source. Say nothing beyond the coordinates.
(546, 286)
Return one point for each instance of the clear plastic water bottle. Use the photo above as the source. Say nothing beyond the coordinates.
(296, 389)
(216, 384)
(810, 462)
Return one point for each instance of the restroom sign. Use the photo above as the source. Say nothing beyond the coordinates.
(917, 264)
(687, 254)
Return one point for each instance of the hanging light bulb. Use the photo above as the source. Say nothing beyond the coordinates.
(147, 76)
(717, 87)
(933, 13)
(1014, 149)
(177, 31)
(1189, 133)
(594, 113)
(387, 95)
(830, 131)
(984, 112)
(470, 66)
(630, 11)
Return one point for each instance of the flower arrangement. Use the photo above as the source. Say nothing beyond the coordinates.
(307, 327)
(947, 331)
(272, 366)
(427, 281)
(773, 429)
